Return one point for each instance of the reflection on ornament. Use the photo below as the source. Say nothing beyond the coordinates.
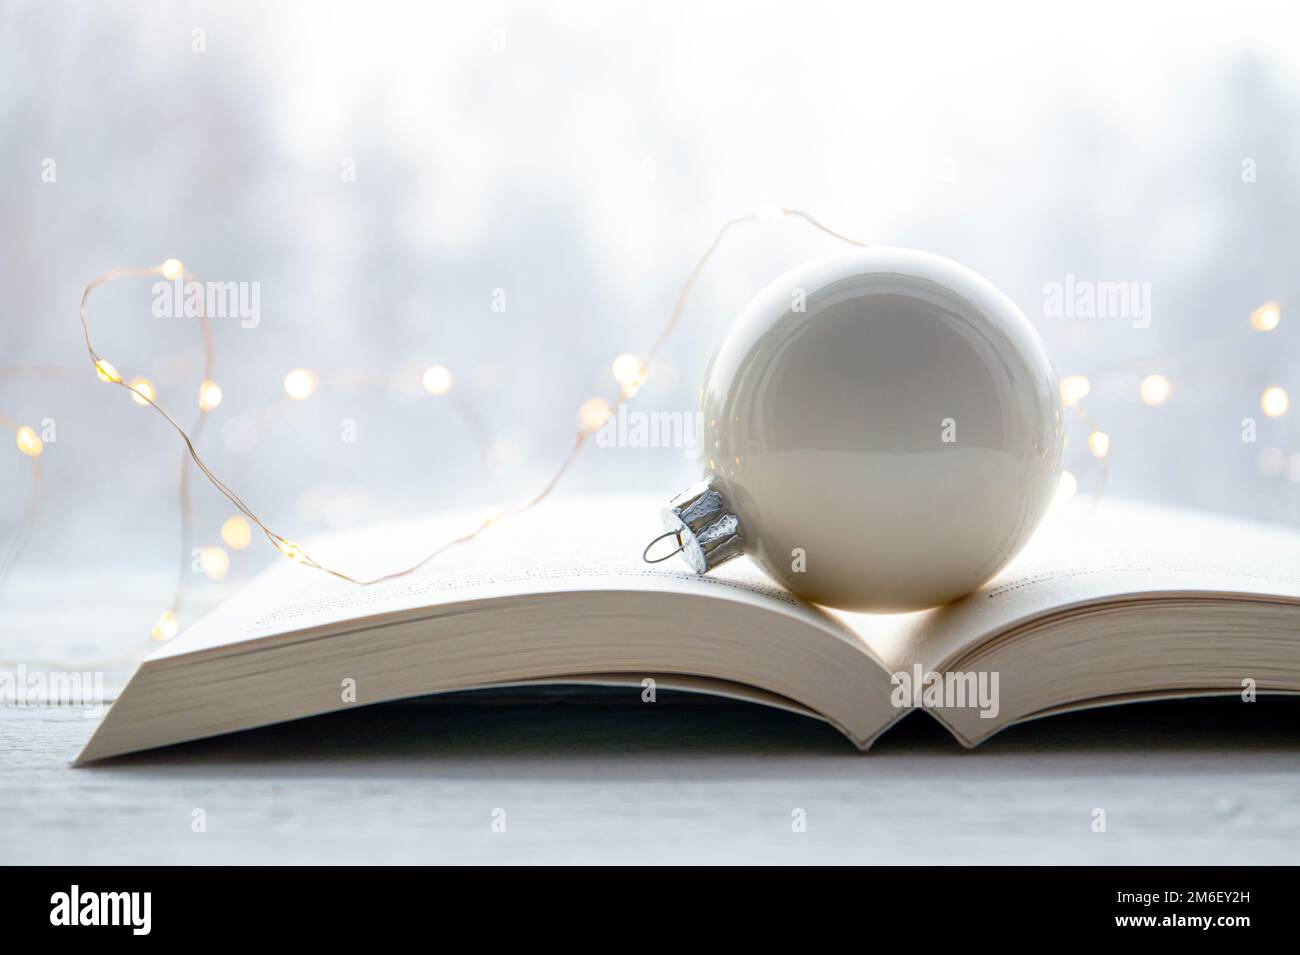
(885, 434)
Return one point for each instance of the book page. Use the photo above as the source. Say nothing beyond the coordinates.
(564, 545)
(560, 594)
(1091, 552)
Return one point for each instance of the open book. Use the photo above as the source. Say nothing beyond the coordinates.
(1110, 602)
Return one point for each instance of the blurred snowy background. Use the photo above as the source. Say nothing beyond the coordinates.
(579, 156)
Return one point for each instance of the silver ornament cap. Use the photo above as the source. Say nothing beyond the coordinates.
(707, 532)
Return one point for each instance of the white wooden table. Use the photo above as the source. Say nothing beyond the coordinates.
(673, 782)
(676, 781)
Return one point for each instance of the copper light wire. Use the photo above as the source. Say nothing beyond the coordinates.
(189, 437)
(294, 550)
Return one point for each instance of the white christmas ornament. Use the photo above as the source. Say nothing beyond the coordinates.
(882, 432)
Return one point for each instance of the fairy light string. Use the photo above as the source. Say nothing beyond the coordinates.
(301, 383)
(144, 393)
(1156, 387)
(629, 371)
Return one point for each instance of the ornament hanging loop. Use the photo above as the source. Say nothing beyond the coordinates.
(645, 554)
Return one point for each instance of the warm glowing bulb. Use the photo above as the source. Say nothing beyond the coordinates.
(1065, 489)
(236, 533)
(143, 391)
(214, 562)
(593, 413)
(1099, 444)
(629, 373)
(1074, 388)
(1155, 389)
(106, 371)
(1266, 317)
(300, 384)
(173, 269)
(289, 549)
(209, 394)
(771, 213)
(437, 380)
(627, 370)
(165, 628)
(29, 442)
(1275, 401)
